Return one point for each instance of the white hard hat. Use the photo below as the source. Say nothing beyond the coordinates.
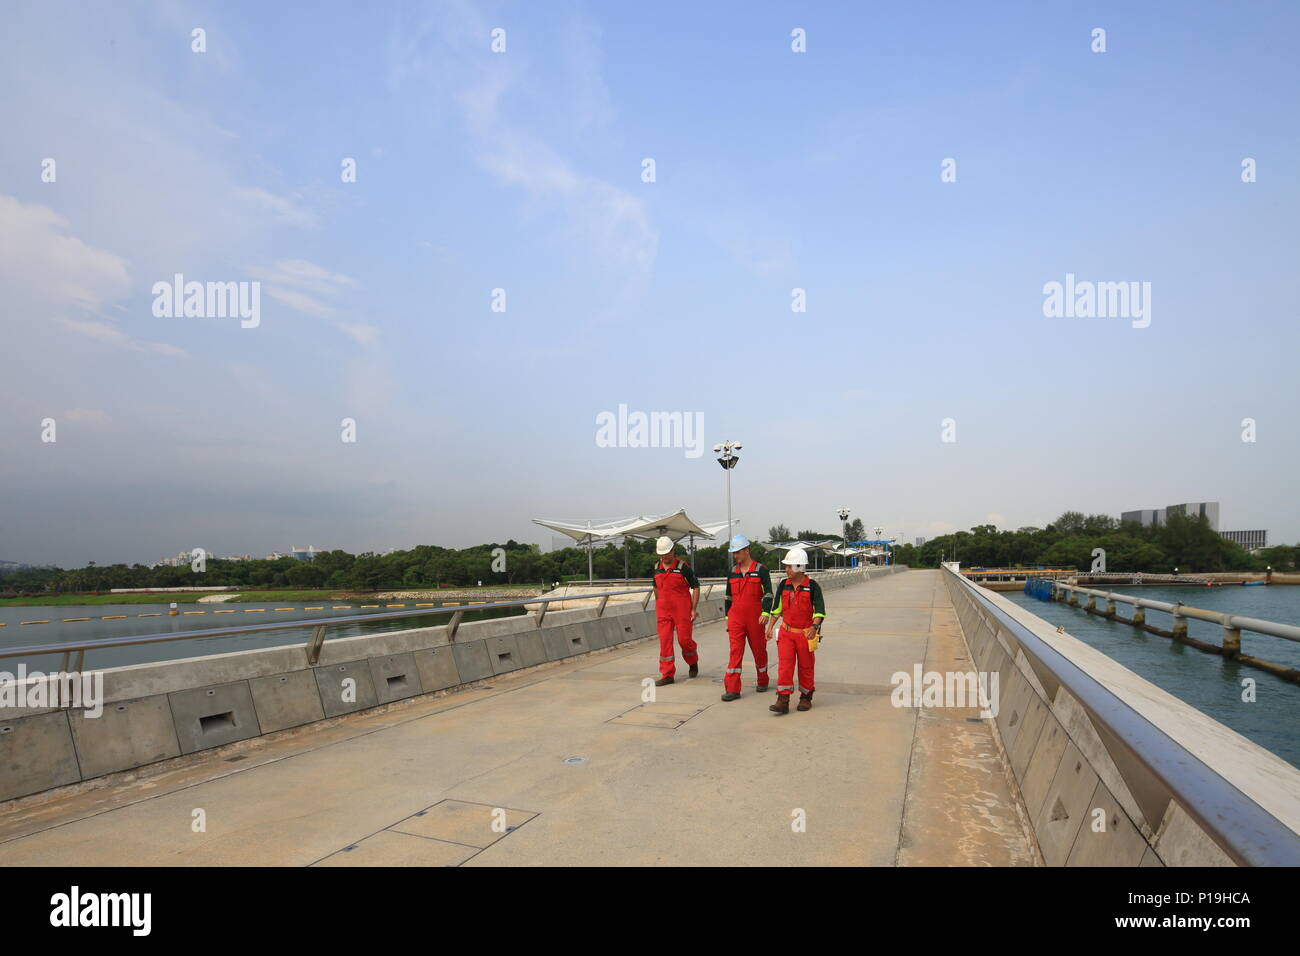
(738, 543)
(796, 556)
(664, 545)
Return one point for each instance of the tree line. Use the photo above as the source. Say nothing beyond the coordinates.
(425, 566)
(1185, 542)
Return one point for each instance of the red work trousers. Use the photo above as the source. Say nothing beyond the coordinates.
(745, 626)
(792, 647)
(675, 615)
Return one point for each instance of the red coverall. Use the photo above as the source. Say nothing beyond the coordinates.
(792, 645)
(673, 585)
(744, 624)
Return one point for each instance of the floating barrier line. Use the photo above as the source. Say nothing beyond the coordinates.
(68, 620)
(117, 617)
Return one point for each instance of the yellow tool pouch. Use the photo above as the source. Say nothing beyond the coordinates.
(814, 640)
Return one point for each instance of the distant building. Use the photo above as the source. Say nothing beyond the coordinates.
(1145, 517)
(920, 541)
(305, 554)
(184, 559)
(1209, 510)
(1250, 540)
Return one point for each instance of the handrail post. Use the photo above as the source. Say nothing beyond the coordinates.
(1180, 625)
(546, 604)
(1231, 637)
(648, 594)
(313, 648)
(600, 611)
(453, 625)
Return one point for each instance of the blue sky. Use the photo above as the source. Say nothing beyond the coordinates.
(522, 171)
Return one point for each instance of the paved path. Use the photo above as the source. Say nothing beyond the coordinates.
(687, 780)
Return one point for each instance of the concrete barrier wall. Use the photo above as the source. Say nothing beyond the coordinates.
(153, 712)
(1072, 783)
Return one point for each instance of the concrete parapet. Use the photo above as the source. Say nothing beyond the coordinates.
(211, 716)
(36, 753)
(129, 733)
(1090, 801)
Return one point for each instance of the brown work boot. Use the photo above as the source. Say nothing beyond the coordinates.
(782, 705)
(805, 702)
(663, 680)
(695, 670)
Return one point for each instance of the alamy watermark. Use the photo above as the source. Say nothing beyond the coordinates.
(946, 689)
(1098, 300)
(208, 300)
(624, 429)
(62, 689)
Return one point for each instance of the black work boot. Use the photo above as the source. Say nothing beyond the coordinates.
(782, 705)
(695, 670)
(663, 680)
(762, 687)
(805, 702)
(730, 696)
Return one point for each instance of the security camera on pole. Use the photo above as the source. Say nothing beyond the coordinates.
(729, 460)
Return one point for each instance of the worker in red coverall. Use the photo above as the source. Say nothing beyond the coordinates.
(799, 604)
(749, 600)
(677, 595)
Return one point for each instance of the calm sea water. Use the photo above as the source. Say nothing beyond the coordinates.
(15, 634)
(1206, 681)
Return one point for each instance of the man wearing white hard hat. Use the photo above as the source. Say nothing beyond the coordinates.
(677, 594)
(748, 603)
(799, 605)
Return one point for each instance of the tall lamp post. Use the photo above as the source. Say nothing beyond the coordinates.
(844, 530)
(728, 460)
(879, 532)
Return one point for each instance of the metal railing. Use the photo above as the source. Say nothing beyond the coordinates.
(1247, 832)
(318, 625)
(1232, 624)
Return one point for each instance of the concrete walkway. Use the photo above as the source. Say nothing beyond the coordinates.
(483, 777)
